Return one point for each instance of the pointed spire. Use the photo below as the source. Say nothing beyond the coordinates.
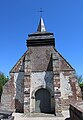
(41, 26)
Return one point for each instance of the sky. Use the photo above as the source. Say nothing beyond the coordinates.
(18, 18)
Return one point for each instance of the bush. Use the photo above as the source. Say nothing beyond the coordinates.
(3, 80)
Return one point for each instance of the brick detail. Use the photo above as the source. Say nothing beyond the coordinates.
(27, 71)
(56, 80)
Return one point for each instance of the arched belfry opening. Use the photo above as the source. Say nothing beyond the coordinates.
(43, 101)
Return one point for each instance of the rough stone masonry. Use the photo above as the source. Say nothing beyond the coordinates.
(42, 80)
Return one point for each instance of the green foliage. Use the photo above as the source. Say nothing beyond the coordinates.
(3, 80)
(1, 88)
(79, 78)
(81, 84)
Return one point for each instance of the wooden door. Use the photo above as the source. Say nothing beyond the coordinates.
(43, 101)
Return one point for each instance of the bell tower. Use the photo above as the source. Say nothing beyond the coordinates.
(41, 37)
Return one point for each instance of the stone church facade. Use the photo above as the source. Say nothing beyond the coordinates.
(42, 80)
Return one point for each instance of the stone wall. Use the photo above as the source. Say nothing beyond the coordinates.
(41, 80)
(27, 82)
(8, 96)
(56, 83)
(13, 92)
(66, 87)
(19, 91)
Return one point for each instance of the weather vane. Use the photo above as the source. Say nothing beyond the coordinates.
(41, 11)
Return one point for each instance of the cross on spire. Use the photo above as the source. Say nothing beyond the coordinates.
(41, 11)
(41, 26)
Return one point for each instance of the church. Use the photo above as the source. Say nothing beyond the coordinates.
(42, 81)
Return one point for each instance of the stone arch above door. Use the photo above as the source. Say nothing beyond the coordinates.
(41, 87)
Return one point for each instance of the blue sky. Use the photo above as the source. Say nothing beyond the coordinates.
(18, 18)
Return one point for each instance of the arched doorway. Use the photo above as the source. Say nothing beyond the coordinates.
(42, 101)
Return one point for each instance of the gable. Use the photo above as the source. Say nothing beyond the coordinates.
(64, 64)
(19, 66)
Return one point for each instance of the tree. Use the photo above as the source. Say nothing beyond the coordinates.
(80, 79)
(3, 80)
(80, 82)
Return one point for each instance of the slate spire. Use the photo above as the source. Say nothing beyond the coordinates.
(41, 26)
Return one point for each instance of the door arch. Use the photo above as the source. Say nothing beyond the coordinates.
(43, 101)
